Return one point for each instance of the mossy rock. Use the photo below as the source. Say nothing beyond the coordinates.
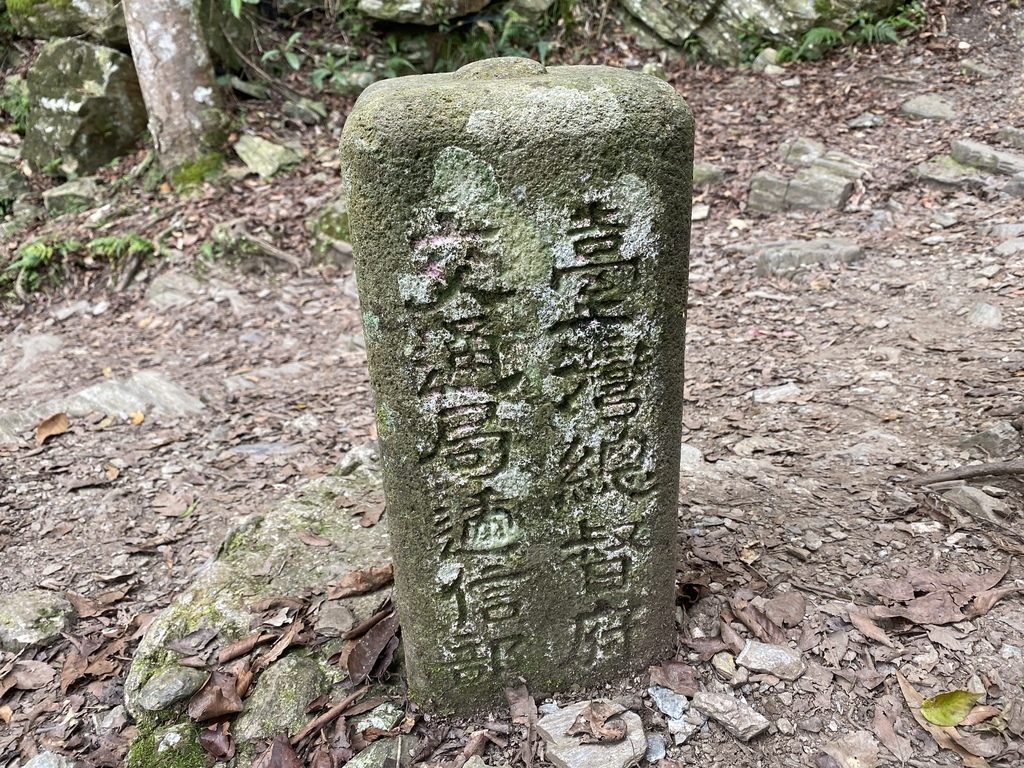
(85, 107)
(267, 558)
(100, 20)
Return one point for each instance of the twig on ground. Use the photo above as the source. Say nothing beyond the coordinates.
(971, 471)
(320, 721)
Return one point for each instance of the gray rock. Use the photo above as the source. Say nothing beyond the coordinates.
(700, 212)
(173, 289)
(218, 596)
(334, 619)
(47, 759)
(567, 752)
(1010, 247)
(801, 151)
(419, 11)
(279, 700)
(985, 315)
(724, 664)
(12, 186)
(986, 158)
(265, 157)
(395, 752)
(974, 68)
(33, 618)
(655, 748)
(1015, 186)
(774, 70)
(100, 20)
(979, 505)
(945, 172)
(74, 196)
(78, 308)
(818, 188)
(85, 107)
(385, 717)
(1012, 135)
(331, 235)
(773, 659)
(147, 391)
(1002, 231)
(997, 441)
(668, 702)
(735, 716)
(306, 111)
(791, 258)
(767, 57)
(767, 192)
(840, 164)
(171, 686)
(682, 729)
(867, 120)
(929, 107)
(706, 173)
(655, 69)
(774, 395)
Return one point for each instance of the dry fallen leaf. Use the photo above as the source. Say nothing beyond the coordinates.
(6, 713)
(364, 654)
(883, 723)
(361, 582)
(55, 425)
(31, 675)
(854, 750)
(947, 738)
(218, 741)
(137, 417)
(311, 539)
(599, 722)
(216, 698)
(279, 755)
(869, 629)
(677, 676)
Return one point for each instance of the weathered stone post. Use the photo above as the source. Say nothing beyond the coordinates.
(521, 240)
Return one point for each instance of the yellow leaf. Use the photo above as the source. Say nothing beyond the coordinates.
(146, 321)
(107, 421)
(55, 425)
(111, 472)
(108, 372)
(137, 417)
(950, 708)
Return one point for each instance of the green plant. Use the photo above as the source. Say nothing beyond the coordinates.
(287, 52)
(504, 33)
(115, 247)
(35, 263)
(235, 6)
(14, 104)
(865, 29)
(329, 70)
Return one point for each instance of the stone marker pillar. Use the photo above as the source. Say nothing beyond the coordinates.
(521, 239)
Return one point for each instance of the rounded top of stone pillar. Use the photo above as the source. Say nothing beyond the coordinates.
(501, 68)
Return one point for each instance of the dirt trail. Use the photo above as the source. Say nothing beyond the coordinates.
(811, 405)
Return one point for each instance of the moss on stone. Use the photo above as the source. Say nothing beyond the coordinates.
(194, 173)
(25, 6)
(145, 753)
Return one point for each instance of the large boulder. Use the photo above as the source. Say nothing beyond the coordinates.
(85, 107)
(420, 11)
(722, 26)
(101, 20)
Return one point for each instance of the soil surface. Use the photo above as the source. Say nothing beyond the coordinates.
(806, 491)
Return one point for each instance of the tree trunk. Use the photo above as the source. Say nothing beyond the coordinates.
(178, 86)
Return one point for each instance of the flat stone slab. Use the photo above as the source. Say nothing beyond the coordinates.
(943, 171)
(987, 158)
(34, 617)
(569, 752)
(791, 258)
(145, 391)
(929, 107)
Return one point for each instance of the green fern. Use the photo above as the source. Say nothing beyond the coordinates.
(114, 247)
